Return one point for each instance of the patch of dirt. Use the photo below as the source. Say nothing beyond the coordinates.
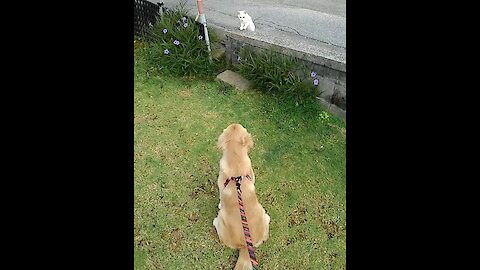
(289, 241)
(186, 93)
(269, 198)
(331, 228)
(213, 233)
(142, 242)
(138, 120)
(136, 156)
(141, 119)
(300, 236)
(297, 217)
(210, 126)
(197, 190)
(330, 258)
(189, 78)
(193, 217)
(175, 239)
(343, 130)
(211, 115)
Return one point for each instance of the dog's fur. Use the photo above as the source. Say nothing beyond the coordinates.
(235, 142)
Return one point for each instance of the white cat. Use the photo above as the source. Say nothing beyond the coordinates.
(245, 21)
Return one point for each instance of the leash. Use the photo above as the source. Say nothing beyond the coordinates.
(246, 231)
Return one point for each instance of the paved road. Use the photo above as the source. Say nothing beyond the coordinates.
(333, 7)
(315, 27)
(322, 20)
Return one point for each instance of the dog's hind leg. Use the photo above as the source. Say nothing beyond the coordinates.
(215, 223)
(267, 225)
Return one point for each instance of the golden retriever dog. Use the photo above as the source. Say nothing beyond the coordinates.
(235, 142)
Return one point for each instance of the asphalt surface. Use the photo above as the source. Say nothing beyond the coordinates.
(317, 27)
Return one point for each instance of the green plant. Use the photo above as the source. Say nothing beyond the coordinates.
(282, 76)
(292, 87)
(224, 89)
(324, 115)
(177, 46)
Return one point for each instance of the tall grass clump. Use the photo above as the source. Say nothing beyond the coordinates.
(284, 77)
(177, 46)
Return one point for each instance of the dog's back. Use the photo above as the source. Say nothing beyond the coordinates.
(235, 142)
(233, 235)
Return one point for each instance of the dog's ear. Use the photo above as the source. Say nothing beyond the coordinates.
(221, 141)
(247, 140)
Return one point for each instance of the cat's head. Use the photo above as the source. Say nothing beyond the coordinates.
(242, 14)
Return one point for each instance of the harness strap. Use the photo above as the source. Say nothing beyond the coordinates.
(246, 230)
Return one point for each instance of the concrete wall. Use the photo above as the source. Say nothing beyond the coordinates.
(332, 75)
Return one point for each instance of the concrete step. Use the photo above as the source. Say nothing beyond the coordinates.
(234, 79)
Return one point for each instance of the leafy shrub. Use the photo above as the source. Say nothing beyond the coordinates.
(281, 76)
(178, 47)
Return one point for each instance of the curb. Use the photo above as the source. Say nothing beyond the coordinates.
(329, 61)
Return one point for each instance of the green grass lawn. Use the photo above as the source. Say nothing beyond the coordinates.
(299, 162)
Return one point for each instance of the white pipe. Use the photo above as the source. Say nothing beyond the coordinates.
(201, 19)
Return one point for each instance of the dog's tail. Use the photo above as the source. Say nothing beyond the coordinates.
(243, 262)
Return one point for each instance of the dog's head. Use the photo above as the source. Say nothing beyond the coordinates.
(235, 135)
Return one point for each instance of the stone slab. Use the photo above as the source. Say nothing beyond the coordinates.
(234, 79)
